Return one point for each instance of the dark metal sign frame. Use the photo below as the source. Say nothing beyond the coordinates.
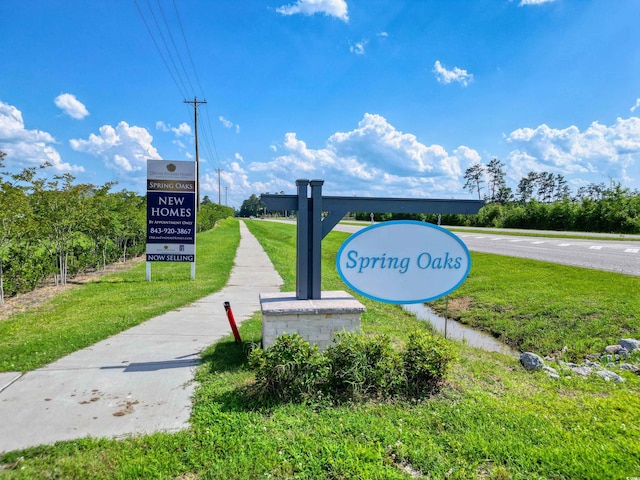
(312, 228)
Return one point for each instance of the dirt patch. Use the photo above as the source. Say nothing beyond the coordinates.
(459, 305)
(127, 409)
(48, 290)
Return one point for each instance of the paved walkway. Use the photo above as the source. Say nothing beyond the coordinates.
(139, 381)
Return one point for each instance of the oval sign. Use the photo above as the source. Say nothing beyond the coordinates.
(403, 262)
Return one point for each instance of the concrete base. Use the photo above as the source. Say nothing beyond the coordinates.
(316, 320)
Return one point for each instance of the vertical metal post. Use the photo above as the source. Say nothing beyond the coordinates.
(316, 239)
(302, 241)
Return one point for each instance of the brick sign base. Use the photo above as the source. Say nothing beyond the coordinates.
(315, 320)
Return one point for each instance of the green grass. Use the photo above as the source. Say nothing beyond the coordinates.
(531, 233)
(542, 307)
(85, 314)
(492, 420)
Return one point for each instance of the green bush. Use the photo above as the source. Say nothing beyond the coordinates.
(363, 367)
(355, 368)
(289, 370)
(426, 361)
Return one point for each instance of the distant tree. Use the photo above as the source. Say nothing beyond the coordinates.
(14, 216)
(474, 178)
(206, 200)
(252, 206)
(562, 190)
(592, 191)
(546, 186)
(496, 184)
(526, 187)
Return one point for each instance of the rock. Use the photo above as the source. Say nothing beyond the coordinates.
(623, 353)
(630, 344)
(583, 371)
(555, 376)
(549, 370)
(531, 361)
(593, 365)
(629, 367)
(611, 349)
(609, 376)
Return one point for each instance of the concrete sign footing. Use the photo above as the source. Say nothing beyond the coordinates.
(315, 320)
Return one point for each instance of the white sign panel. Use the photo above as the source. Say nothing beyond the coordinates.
(403, 262)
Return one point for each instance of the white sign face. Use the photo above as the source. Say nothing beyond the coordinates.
(403, 262)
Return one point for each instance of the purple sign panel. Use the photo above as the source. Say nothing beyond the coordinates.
(171, 211)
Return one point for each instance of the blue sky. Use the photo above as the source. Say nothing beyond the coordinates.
(377, 97)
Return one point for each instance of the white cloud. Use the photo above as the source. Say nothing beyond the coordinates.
(633, 109)
(238, 157)
(374, 157)
(534, 2)
(183, 129)
(180, 131)
(383, 34)
(26, 148)
(358, 47)
(71, 106)
(123, 148)
(160, 125)
(608, 151)
(456, 75)
(332, 8)
(226, 123)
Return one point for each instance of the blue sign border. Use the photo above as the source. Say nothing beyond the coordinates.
(399, 222)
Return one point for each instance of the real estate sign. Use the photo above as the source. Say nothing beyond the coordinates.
(171, 211)
(403, 262)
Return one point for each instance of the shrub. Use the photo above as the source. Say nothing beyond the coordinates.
(289, 370)
(363, 367)
(426, 361)
(356, 367)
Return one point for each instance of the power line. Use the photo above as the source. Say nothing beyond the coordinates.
(174, 45)
(158, 48)
(180, 75)
(184, 37)
(155, 20)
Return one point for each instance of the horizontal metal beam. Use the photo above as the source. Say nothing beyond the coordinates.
(378, 205)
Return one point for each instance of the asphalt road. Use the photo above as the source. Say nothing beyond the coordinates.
(598, 253)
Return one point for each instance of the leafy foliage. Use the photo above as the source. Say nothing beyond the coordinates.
(59, 228)
(356, 367)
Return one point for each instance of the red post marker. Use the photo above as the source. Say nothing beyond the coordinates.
(232, 322)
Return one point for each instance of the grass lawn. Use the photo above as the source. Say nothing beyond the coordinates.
(492, 420)
(86, 314)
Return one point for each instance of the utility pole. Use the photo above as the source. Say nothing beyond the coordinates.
(226, 195)
(219, 170)
(195, 104)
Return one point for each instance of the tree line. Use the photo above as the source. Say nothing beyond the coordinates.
(542, 201)
(57, 228)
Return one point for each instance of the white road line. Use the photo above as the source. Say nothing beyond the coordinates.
(632, 250)
(595, 247)
(564, 244)
(538, 242)
(517, 240)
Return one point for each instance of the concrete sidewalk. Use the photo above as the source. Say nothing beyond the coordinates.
(139, 381)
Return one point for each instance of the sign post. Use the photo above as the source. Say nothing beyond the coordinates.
(171, 213)
(312, 227)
